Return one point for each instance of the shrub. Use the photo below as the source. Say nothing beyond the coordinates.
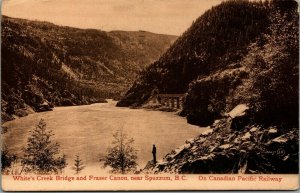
(122, 155)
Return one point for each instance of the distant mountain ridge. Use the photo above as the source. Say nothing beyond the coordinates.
(70, 66)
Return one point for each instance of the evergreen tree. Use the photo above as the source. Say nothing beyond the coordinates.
(41, 154)
(6, 158)
(122, 155)
(78, 165)
(274, 69)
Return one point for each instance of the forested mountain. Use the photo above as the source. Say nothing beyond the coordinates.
(238, 67)
(44, 64)
(219, 54)
(216, 40)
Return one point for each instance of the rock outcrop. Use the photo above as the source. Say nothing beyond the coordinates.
(250, 149)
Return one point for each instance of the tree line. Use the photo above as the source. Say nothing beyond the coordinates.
(42, 155)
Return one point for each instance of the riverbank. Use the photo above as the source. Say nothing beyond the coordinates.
(23, 109)
(88, 131)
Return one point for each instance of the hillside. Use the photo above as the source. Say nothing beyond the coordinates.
(217, 40)
(45, 65)
(217, 54)
(239, 53)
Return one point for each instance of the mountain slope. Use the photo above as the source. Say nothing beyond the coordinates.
(215, 55)
(240, 77)
(266, 77)
(66, 66)
(217, 40)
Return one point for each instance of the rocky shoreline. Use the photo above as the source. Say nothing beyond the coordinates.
(230, 148)
(36, 103)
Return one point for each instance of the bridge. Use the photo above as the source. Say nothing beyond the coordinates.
(169, 100)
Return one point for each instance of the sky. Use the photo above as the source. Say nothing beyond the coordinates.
(158, 16)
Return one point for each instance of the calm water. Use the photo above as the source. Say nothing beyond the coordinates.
(87, 131)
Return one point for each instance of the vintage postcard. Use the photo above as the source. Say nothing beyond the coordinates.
(103, 95)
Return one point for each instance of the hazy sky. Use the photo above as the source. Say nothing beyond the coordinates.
(159, 16)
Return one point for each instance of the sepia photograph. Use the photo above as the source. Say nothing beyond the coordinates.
(105, 95)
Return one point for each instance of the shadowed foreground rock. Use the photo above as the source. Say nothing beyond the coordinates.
(251, 149)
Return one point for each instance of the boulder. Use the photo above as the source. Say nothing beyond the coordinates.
(246, 137)
(207, 132)
(21, 113)
(273, 132)
(225, 146)
(253, 129)
(150, 165)
(44, 107)
(240, 117)
(280, 140)
(239, 122)
(238, 111)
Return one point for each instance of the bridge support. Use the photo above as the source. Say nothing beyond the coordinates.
(170, 100)
(178, 103)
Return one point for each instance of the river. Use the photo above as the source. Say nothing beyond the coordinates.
(88, 131)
